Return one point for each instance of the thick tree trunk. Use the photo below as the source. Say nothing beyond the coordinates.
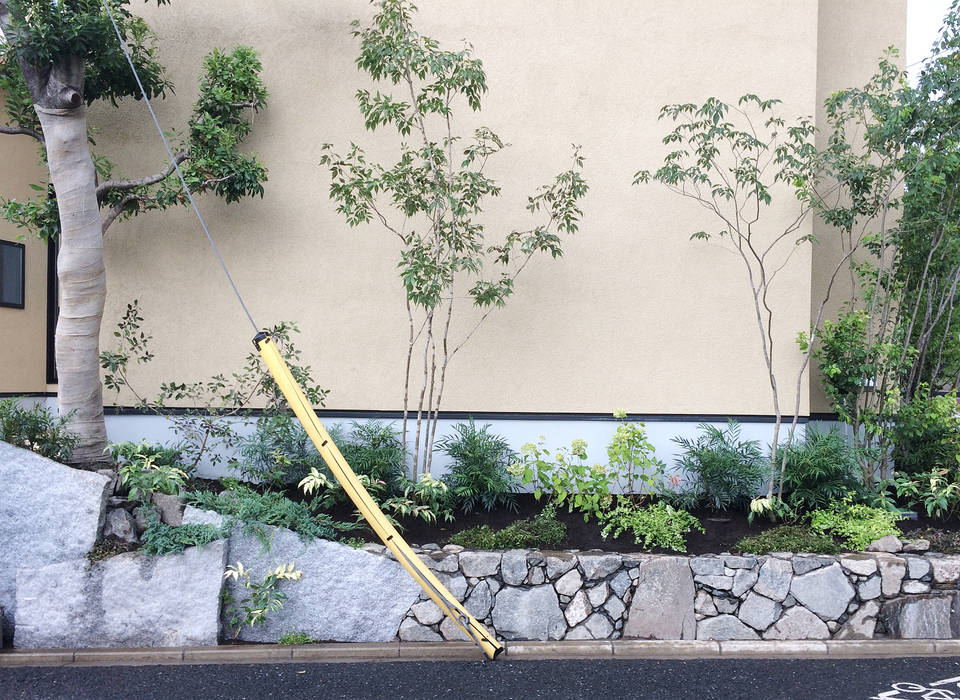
(82, 278)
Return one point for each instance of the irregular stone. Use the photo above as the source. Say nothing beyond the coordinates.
(703, 604)
(726, 606)
(569, 583)
(48, 513)
(825, 592)
(578, 609)
(537, 576)
(440, 561)
(513, 567)
(480, 601)
(480, 564)
(706, 566)
(758, 612)
(860, 564)
(532, 613)
(139, 520)
(120, 524)
(455, 583)
(798, 623)
(579, 632)
(832, 626)
(861, 624)
(598, 594)
(620, 583)
(869, 589)
(431, 547)
(743, 562)
(197, 516)
(889, 544)
(599, 565)
(130, 600)
(926, 617)
(534, 558)
(169, 507)
(720, 583)
(451, 631)
(426, 612)
(723, 628)
(114, 480)
(345, 594)
(559, 563)
(892, 571)
(411, 631)
(662, 606)
(916, 587)
(789, 601)
(453, 548)
(494, 585)
(945, 569)
(774, 579)
(371, 547)
(916, 545)
(634, 573)
(615, 608)
(599, 626)
(917, 567)
(743, 581)
(803, 565)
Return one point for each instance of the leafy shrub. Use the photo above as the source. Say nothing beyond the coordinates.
(721, 470)
(937, 491)
(264, 597)
(944, 541)
(279, 452)
(544, 530)
(631, 457)
(566, 478)
(160, 538)
(373, 448)
(479, 476)
(37, 429)
(147, 468)
(820, 469)
(788, 538)
(926, 433)
(427, 498)
(270, 508)
(656, 525)
(856, 525)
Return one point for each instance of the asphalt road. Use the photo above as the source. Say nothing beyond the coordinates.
(915, 678)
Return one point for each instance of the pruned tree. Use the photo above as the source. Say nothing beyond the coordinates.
(431, 201)
(58, 58)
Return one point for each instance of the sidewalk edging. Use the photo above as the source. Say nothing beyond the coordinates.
(465, 651)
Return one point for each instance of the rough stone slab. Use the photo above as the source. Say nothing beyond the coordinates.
(803, 565)
(723, 628)
(704, 604)
(920, 545)
(869, 589)
(662, 606)
(513, 567)
(615, 608)
(862, 623)
(169, 507)
(411, 631)
(48, 513)
(825, 592)
(620, 583)
(599, 626)
(916, 587)
(706, 566)
(945, 569)
(569, 583)
(345, 594)
(758, 612)
(441, 562)
(917, 567)
(892, 571)
(480, 563)
(798, 623)
(726, 606)
(427, 613)
(774, 579)
(740, 562)
(120, 524)
(559, 563)
(532, 613)
(599, 565)
(578, 609)
(130, 600)
(598, 594)
(926, 617)
(720, 582)
(480, 600)
(860, 564)
(743, 581)
(198, 516)
(890, 544)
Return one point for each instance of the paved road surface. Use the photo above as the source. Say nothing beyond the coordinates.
(912, 678)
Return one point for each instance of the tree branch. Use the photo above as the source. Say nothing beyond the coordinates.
(21, 130)
(110, 185)
(117, 210)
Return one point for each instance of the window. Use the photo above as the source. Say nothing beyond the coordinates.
(12, 272)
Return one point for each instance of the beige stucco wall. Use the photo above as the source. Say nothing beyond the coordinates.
(634, 315)
(23, 337)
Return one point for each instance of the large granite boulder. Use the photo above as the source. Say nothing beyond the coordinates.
(826, 592)
(48, 513)
(920, 617)
(131, 600)
(662, 605)
(532, 613)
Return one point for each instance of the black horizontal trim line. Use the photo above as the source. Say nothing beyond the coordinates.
(28, 394)
(484, 415)
(824, 416)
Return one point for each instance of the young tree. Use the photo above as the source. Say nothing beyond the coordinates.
(58, 58)
(432, 197)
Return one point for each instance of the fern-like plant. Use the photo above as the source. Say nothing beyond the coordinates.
(820, 469)
(478, 475)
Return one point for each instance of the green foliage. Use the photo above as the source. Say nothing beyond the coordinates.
(631, 455)
(478, 475)
(270, 508)
(656, 525)
(926, 434)
(373, 448)
(427, 499)
(566, 477)
(788, 538)
(936, 491)
(279, 452)
(721, 470)
(161, 539)
(819, 470)
(36, 429)
(542, 531)
(147, 468)
(856, 525)
(293, 638)
(264, 597)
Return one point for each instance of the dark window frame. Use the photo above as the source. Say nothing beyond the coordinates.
(23, 275)
(53, 309)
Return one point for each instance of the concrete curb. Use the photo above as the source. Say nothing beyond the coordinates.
(466, 651)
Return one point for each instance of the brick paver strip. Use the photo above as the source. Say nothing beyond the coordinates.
(516, 651)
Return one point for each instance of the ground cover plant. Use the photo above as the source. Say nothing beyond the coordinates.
(543, 530)
(36, 429)
(788, 538)
(656, 525)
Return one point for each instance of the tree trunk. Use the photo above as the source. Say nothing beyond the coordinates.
(82, 278)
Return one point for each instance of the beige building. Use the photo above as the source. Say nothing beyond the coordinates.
(634, 316)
